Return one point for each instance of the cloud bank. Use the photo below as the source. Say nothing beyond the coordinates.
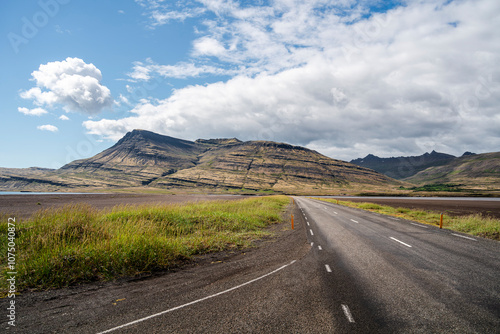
(341, 79)
(71, 83)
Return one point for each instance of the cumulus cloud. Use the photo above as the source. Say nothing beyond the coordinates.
(48, 127)
(71, 83)
(32, 112)
(339, 79)
(64, 118)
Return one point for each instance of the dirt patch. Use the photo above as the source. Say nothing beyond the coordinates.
(455, 207)
(23, 206)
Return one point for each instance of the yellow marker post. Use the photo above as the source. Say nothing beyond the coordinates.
(441, 221)
(292, 222)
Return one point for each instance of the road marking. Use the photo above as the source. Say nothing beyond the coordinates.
(400, 242)
(335, 212)
(319, 247)
(307, 223)
(355, 221)
(422, 226)
(347, 313)
(198, 300)
(328, 268)
(311, 231)
(393, 218)
(463, 236)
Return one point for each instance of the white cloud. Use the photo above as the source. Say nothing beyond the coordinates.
(73, 84)
(162, 12)
(145, 71)
(47, 127)
(420, 77)
(32, 112)
(64, 118)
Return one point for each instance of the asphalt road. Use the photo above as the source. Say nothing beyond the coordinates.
(409, 278)
(341, 270)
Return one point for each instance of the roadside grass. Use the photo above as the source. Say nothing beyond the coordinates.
(476, 224)
(77, 243)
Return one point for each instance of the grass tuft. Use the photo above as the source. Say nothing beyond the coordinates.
(77, 243)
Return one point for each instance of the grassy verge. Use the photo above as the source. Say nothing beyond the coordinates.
(60, 247)
(477, 225)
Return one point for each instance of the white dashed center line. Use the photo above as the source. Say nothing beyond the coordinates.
(311, 231)
(400, 242)
(347, 313)
(327, 267)
(355, 221)
(319, 247)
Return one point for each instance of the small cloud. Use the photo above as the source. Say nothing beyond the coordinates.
(124, 99)
(32, 112)
(71, 82)
(64, 118)
(48, 127)
(121, 12)
(61, 31)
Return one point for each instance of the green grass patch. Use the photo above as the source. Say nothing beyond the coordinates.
(436, 187)
(77, 243)
(476, 225)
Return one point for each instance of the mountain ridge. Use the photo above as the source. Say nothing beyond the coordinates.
(403, 167)
(473, 171)
(147, 159)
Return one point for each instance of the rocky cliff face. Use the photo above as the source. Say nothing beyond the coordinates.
(142, 158)
(403, 167)
(473, 171)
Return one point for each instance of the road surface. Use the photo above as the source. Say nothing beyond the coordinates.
(341, 270)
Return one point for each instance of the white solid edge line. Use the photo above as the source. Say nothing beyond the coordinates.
(422, 226)
(328, 268)
(400, 242)
(347, 313)
(198, 300)
(463, 236)
(355, 221)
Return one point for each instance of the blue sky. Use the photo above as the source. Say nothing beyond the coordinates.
(346, 78)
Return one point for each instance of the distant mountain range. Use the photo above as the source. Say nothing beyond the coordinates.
(404, 167)
(477, 171)
(146, 159)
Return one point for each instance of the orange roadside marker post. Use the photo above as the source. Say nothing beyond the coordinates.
(441, 221)
(292, 222)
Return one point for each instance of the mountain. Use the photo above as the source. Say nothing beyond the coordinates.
(477, 171)
(404, 167)
(146, 159)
